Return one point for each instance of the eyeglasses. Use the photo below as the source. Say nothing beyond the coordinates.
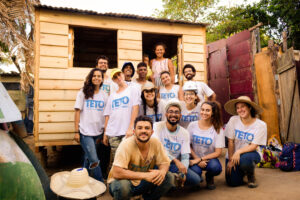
(173, 112)
(102, 63)
(189, 94)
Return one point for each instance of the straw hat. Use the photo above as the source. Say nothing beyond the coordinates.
(173, 102)
(230, 105)
(148, 86)
(76, 184)
(114, 71)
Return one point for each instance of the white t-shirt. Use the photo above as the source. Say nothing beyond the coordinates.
(175, 143)
(150, 111)
(119, 108)
(203, 90)
(169, 94)
(255, 133)
(91, 113)
(188, 116)
(109, 86)
(204, 142)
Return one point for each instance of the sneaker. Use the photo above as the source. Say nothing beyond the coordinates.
(251, 181)
(179, 179)
(210, 183)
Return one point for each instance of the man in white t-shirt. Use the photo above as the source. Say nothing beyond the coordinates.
(133, 172)
(120, 112)
(108, 85)
(176, 141)
(189, 73)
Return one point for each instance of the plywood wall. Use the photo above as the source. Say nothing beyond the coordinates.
(194, 53)
(129, 47)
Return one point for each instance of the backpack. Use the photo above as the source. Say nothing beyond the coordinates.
(290, 157)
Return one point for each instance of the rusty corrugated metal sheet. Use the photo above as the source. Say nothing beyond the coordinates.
(118, 15)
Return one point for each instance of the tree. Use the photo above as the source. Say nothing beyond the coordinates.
(188, 10)
(16, 33)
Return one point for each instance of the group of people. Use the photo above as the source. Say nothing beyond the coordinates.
(162, 135)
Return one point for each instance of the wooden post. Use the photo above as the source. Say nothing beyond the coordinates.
(257, 35)
(179, 61)
(36, 75)
(284, 41)
(71, 47)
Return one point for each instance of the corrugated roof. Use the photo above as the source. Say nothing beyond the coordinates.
(118, 15)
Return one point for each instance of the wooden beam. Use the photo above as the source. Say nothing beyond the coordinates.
(56, 136)
(55, 127)
(56, 142)
(193, 48)
(36, 75)
(193, 57)
(193, 39)
(130, 54)
(57, 51)
(58, 94)
(180, 60)
(56, 105)
(130, 44)
(130, 35)
(120, 23)
(53, 62)
(56, 116)
(55, 40)
(64, 74)
(60, 84)
(71, 47)
(54, 28)
(199, 66)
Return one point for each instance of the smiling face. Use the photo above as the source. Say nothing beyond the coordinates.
(142, 72)
(102, 64)
(243, 110)
(118, 78)
(159, 51)
(206, 111)
(149, 94)
(143, 131)
(127, 72)
(188, 73)
(173, 115)
(166, 79)
(190, 97)
(97, 78)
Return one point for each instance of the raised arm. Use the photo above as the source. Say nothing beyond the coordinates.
(134, 114)
(171, 70)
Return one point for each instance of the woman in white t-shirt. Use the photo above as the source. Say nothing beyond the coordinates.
(89, 120)
(207, 140)
(190, 106)
(169, 90)
(151, 105)
(245, 133)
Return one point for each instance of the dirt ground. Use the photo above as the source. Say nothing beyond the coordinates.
(274, 184)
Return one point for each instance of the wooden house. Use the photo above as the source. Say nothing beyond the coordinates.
(67, 43)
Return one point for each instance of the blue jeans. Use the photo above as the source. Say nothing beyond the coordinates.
(213, 168)
(124, 189)
(191, 177)
(247, 165)
(89, 146)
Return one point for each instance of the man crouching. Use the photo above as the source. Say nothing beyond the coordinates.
(133, 170)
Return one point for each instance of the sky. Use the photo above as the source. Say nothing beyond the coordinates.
(138, 7)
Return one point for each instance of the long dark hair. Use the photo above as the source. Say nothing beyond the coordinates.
(89, 87)
(155, 105)
(216, 117)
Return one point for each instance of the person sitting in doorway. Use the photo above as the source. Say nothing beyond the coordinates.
(189, 73)
(140, 166)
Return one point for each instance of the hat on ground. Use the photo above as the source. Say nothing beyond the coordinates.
(230, 105)
(76, 184)
(148, 86)
(129, 64)
(173, 102)
(114, 71)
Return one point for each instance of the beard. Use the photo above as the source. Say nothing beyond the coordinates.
(190, 77)
(173, 123)
(142, 141)
(103, 71)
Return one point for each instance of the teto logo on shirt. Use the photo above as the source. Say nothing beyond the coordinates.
(94, 105)
(172, 146)
(241, 135)
(189, 118)
(106, 88)
(203, 141)
(167, 95)
(121, 102)
(153, 117)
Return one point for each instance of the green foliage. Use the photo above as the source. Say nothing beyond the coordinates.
(188, 10)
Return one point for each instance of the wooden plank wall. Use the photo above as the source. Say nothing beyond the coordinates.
(58, 84)
(129, 47)
(266, 92)
(194, 53)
